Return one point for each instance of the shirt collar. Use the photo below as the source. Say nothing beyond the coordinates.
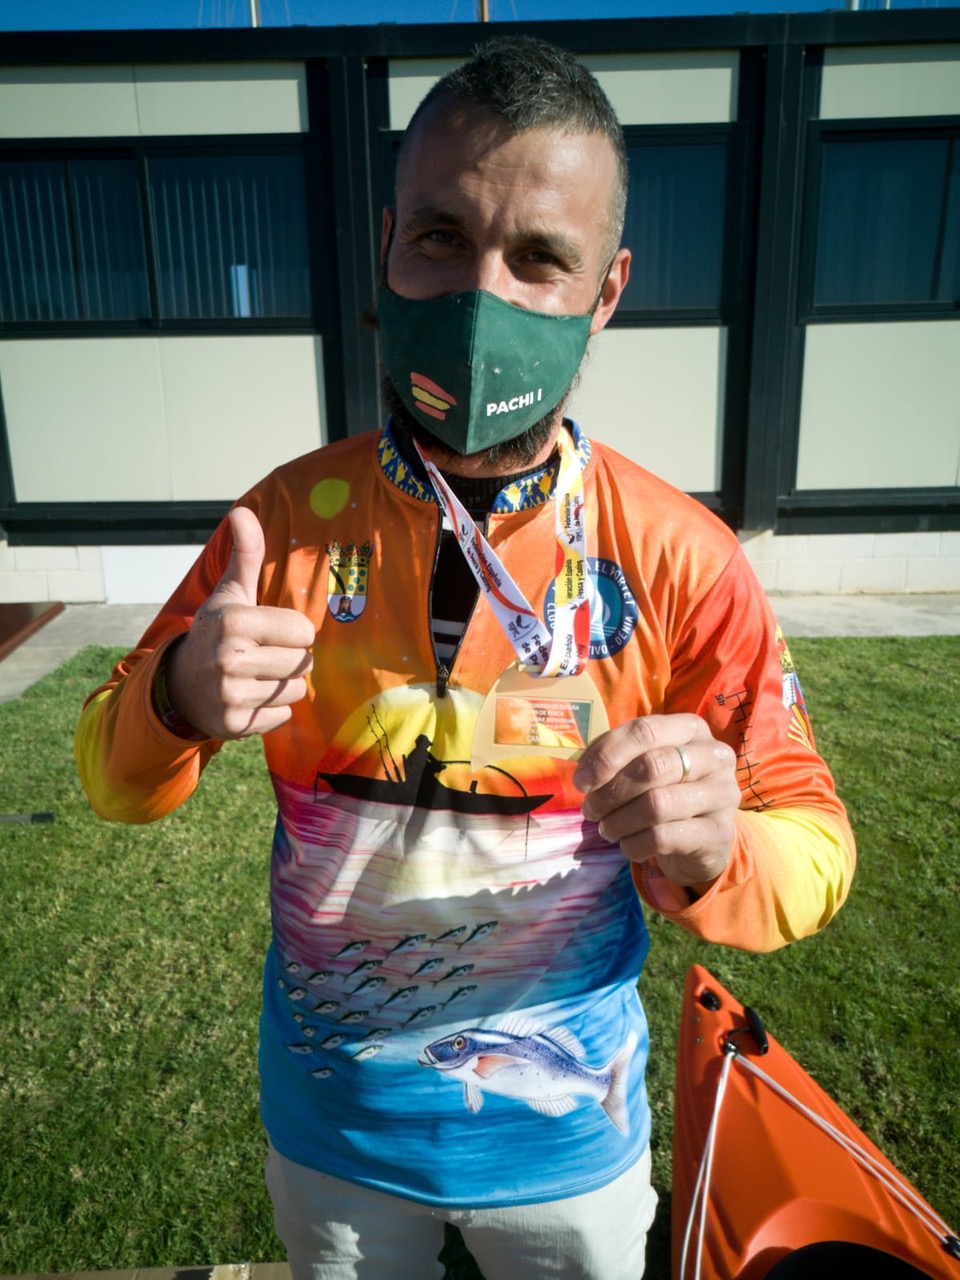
(521, 495)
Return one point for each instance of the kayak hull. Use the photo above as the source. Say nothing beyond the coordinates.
(784, 1198)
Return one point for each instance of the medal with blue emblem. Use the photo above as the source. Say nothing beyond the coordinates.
(347, 582)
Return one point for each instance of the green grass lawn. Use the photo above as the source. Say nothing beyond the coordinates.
(130, 976)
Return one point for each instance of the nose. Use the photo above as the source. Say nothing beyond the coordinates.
(490, 271)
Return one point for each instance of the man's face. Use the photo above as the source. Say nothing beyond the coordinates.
(524, 216)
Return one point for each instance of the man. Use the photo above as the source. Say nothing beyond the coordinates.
(506, 680)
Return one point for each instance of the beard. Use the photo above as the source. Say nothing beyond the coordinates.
(506, 457)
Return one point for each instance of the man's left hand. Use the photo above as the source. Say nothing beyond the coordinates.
(664, 788)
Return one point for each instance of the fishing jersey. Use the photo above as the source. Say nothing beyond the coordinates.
(450, 1009)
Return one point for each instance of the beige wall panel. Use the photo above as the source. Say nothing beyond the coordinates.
(85, 420)
(670, 88)
(653, 88)
(918, 80)
(657, 396)
(409, 79)
(237, 407)
(266, 97)
(68, 102)
(881, 406)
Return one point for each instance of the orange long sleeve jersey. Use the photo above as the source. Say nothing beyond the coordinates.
(455, 948)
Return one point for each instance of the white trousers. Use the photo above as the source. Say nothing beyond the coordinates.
(334, 1230)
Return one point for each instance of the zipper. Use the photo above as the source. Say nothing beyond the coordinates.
(443, 671)
(443, 675)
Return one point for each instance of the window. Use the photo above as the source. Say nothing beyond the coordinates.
(71, 240)
(675, 225)
(230, 236)
(887, 223)
(678, 222)
(153, 238)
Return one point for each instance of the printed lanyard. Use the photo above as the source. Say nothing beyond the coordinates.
(564, 653)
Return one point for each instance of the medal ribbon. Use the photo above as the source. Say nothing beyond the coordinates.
(564, 653)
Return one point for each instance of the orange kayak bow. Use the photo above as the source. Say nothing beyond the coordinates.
(771, 1180)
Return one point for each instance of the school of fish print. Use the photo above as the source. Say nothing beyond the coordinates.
(540, 1066)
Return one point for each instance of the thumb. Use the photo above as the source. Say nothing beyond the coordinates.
(242, 575)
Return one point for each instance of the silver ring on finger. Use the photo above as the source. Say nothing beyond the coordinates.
(685, 763)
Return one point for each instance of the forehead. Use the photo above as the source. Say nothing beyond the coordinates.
(462, 155)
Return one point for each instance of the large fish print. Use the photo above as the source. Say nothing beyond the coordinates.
(541, 1066)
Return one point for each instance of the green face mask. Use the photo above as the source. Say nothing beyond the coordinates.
(474, 370)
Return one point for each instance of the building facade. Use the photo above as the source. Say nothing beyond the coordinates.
(189, 226)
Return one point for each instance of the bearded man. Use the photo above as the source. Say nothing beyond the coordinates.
(510, 686)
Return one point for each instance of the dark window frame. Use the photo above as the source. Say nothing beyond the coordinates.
(185, 522)
(822, 133)
(736, 134)
(141, 150)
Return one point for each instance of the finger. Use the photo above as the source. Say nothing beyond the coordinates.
(247, 722)
(667, 783)
(693, 852)
(265, 663)
(662, 769)
(241, 577)
(253, 703)
(663, 807)
(267, 626)
(614, 751)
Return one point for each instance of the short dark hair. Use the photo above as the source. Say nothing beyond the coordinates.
(531, 84)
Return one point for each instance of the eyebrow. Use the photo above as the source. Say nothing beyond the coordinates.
(559, 245)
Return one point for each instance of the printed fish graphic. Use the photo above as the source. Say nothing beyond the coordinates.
(296, 993)
(351, 949)
(408, 944)
(428, 966)
(327, 1006)
(322, 1073)
(404, 993)
(334, 1041)
(421, 1015)
(378, 1033)
(452, 934)
(457, 972)
(319, 978)
(479, 932)
(364, 967)
(355, 1015)
(461, 993)
(370, 984)
(541, 1066)
(300, 1048)
(368, 1051)
(293, 966)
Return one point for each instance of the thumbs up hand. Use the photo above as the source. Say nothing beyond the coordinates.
(241, 665)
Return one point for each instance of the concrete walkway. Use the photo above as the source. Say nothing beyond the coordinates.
(238, 1271)
(81, 625)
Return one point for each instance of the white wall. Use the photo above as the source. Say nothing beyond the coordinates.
(880, 406)
(913, 80)
(157, 419)
(656, 395)
(133, 101)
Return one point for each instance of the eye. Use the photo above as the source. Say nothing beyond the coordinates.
(438, 241)
(459, 1042)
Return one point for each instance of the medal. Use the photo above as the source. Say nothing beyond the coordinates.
(529, 715)
(545, 704)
